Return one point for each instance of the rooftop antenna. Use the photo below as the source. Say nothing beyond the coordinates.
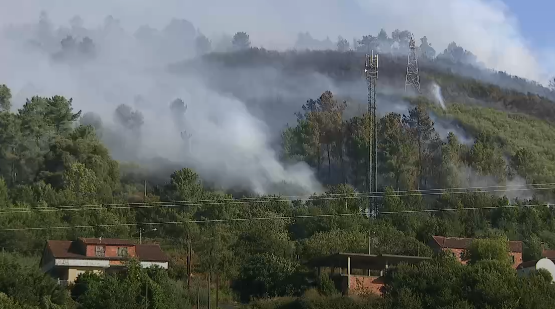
(412, 79)
(371, 71)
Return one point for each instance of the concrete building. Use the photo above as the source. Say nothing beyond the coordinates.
(458, 246)
(66, 260)
(360, 273)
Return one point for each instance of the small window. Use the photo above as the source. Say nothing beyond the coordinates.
(100, 252)
(513, 259)
(122, 251)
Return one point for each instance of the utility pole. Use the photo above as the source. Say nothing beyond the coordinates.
(141, 234)
(369, 249)
(146, 295)
(144, 196)
(198, 294)
(371, 71)
(209, 288)
(189, 268)
(217, 289)
(369, 243)
(412, 78)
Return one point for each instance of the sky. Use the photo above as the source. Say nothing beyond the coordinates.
(536, 20)
(507, 35)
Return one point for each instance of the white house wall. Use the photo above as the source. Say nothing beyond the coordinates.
(95, 263)
(82, 263)
(150, 264)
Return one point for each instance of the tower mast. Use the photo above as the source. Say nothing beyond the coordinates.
(413, 78)
(371, 71)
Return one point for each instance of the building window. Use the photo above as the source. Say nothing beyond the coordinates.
(122, 251)
(100, 251)
(512, 258)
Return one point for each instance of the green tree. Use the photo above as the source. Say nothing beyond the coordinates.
(342, 44)
(4, 194)
(421, 130)
(266, 275)
(451, 162)
(396, 152)
(241, 41)
(135, 287)
(494, 249)
(5, 98)
(203, 45)
(29, 286)
(357, 145)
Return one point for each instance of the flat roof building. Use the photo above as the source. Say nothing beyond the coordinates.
(362, 282)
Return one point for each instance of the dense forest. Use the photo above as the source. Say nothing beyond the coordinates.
(60, 180)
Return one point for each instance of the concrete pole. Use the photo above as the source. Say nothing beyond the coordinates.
(349, 273)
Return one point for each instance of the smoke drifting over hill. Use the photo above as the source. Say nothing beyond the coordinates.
(233, 116)
(484, 27)
(228, 145)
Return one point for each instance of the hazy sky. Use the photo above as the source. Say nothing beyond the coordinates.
(536, 20)
(510, 36)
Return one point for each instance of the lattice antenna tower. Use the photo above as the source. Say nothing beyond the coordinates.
(413, 78)
(371, 71)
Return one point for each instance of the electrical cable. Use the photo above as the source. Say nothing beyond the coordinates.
(275, 217)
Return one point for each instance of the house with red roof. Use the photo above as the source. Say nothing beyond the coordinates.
(458, 246)
(65, 260)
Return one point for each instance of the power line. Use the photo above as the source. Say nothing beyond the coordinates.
(188, 221)
(275, 217)
(174, 204)
(326, 196)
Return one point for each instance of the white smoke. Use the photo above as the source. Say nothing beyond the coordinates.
(436, 91)
(229, 146)
(514, 188)
(486, 28)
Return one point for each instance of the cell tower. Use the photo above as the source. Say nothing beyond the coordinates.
(412, 79)
(371, 71)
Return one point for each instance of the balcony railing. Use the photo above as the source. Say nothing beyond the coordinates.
(63, 282)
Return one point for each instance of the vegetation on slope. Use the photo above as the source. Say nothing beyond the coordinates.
(526, 140)
(48, 162)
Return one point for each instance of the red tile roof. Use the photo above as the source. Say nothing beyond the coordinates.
(463, 243)
(106, 241)
(151, 253)
(67, 249)
(550, 254)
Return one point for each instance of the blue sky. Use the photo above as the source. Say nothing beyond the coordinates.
(536, 20)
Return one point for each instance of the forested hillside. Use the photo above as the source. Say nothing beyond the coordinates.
(60, 180)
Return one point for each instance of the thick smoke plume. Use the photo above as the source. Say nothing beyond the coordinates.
(213, 133)
(226, 130)
(487, 28)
